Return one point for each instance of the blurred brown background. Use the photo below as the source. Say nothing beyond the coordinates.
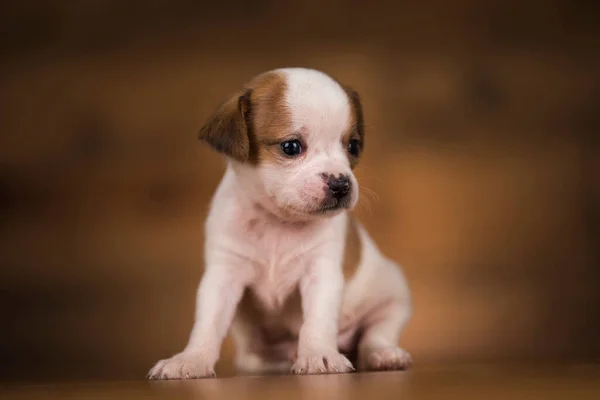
(482, 150)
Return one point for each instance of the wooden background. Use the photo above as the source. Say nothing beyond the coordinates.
(482, 127)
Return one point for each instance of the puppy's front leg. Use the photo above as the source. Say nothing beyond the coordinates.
(321, 290)
(218, 296)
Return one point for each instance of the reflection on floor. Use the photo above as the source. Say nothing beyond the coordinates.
(477, 382)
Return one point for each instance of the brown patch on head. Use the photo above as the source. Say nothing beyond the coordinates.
(271, 117)
(352, 249)
(251, 124)
(356, 131)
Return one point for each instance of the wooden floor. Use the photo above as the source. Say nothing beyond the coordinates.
(477, 382)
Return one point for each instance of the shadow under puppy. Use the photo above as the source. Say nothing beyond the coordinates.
(297, 279)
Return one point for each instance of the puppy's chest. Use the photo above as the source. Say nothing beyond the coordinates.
(279, 254)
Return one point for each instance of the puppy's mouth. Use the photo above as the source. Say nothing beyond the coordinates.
(332, 205)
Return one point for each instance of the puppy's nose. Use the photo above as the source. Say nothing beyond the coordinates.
(339, 187)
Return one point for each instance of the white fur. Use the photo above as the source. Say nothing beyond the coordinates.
(262, 237)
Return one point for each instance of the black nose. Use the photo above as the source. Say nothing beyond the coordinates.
(339, 187)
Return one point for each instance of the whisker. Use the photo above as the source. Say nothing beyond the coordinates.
(363, 202)
(365, 190)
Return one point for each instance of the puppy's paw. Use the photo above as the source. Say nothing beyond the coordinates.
(185, 365)
(387, 359)
(329, 362)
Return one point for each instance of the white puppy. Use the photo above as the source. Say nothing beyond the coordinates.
(297, 278)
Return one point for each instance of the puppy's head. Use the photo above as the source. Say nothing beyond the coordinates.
(294, 137)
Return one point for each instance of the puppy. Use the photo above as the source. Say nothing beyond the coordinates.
(298, 279)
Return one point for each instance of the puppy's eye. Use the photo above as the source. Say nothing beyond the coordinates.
(354, 147)
(291, 147)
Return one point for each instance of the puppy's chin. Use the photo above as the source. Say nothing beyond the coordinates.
(323, 209)
(331, 206)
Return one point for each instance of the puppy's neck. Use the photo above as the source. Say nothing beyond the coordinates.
(273, 218)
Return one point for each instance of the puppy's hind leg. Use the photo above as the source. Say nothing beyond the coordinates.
(378, 346)
(253, 356)
(254, 363)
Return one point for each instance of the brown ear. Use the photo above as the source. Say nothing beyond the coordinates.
(227, 129)
(357, 113)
